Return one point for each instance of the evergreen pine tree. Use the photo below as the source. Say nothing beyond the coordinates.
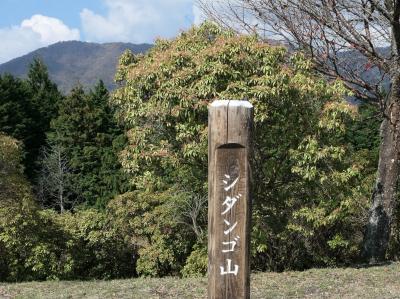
(44, 98)
(91, 139)
(16, 111)
(26, 109)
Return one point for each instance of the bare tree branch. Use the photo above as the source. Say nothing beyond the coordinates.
(325, 29)
(54, 189)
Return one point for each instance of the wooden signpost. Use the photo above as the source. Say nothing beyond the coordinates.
(229, 202)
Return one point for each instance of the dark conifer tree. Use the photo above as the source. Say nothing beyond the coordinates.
(26, 109)
(15, 108)
(91, 140)
(44, 98)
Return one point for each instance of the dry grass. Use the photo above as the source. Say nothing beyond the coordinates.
(374, 282)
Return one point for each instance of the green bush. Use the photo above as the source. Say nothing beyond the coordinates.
(93, 247)
(149, 222)
(21, 226)
(196, 263)
(42, 245)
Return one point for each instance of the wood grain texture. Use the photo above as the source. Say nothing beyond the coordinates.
(229, 199)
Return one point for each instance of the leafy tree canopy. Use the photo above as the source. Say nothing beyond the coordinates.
(13, 184)
(300, 155)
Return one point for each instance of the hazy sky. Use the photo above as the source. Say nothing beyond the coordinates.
(26, 25)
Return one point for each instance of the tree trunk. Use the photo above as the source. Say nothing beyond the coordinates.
(384, 195)
(60, 181)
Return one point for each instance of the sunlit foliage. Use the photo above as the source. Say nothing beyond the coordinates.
(308, 196)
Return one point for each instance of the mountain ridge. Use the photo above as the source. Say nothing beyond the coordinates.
(75, 62)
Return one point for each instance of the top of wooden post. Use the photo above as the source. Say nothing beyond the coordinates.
(231, 103)
(231, 120)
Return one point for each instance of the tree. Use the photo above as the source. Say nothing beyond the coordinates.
(344, 39)
(13, 184)
(90, 138)
(40, 244)
(53, 186)
(15, 109)
(300, 152)
(44, 98)
(22, 256)
(26, 109)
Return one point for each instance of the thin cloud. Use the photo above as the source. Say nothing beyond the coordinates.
(137, 21)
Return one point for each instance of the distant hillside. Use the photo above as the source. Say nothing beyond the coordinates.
(358, 64)
(73, 62)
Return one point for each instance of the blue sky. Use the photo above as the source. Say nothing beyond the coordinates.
(26, 25)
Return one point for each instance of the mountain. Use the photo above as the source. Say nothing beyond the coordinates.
(73, 62)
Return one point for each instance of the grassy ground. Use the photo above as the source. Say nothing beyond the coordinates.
(374, 282)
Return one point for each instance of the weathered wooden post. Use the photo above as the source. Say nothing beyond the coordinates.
(229, 202)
